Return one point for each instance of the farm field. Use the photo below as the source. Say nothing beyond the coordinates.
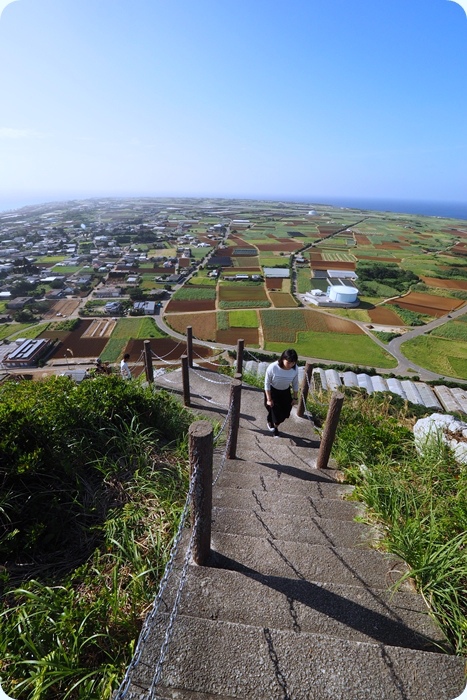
(65, 307)
(428, 304)
(446, 357)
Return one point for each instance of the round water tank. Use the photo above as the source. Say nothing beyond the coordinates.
(343, 294)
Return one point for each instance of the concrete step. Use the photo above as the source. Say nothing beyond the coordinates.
(290, 526)
(248, 467)
(347, 612)
(311, 505)
(309, 562)
(263, 663)
(269, 480)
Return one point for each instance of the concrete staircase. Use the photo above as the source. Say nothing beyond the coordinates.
(296, 604)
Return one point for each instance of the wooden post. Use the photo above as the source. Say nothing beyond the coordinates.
(304, 389)
(330, 428)
(189, 345)
(201, 450)
(186, 381)
(148, 362)
(234, 408)
(240, 346)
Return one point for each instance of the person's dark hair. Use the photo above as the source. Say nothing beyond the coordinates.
(126, 356)
(289, 355)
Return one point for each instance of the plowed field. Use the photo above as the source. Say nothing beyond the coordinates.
(65, 307)
(230, 337)
(428, 304)
(241, 294)
(445, 284)
(384, 317)
(99, 328)
(75, 344)
(194, 306)
(204, 325)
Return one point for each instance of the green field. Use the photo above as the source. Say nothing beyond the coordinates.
(243, 319)
(350, 349)
(446, 357)
(136, 328)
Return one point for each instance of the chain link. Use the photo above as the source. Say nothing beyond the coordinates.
(147, 626)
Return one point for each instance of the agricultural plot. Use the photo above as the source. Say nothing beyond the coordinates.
(453, 330)
(428, 304)
(100, 328)
(246, 318)
(193, 306)
(282, 300)
(204, 325)
(75, 344)
(446, 357)
(384, 316)
(445, 284)
(230, 337)
(338, 256)
(64, 307)
(242, 293)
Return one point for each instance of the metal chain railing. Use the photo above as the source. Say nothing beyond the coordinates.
(122, 692)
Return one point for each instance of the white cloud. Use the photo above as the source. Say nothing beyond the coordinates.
(10, 134)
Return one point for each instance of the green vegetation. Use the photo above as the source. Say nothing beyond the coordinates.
(243, 319)
(410, 318)
(453, 330)
(446, 357)
(419, 500)
(191, 293)
(383, 279)
(138, 328)
(244, 304)
(87, 519)
(357, 349)
(21, 330)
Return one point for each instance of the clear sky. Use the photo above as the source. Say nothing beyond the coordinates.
(252, 98)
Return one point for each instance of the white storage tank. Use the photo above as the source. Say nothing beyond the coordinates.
(343, 294)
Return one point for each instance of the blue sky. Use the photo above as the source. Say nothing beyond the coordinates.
(252, 98)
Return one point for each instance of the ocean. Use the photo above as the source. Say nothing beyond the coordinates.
(449, 210)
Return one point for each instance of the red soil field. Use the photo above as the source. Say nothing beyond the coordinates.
(184, 306)
(230, 337)
(445, 284)
(334, 324)
(274, 283)
(184, 262)
(76, 343)
(164, 270)
(361, 239)
(428, 304)
(204, 325)
(384, 317)
(289, 246)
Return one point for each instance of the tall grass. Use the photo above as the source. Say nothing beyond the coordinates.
(420, 501)
(71, 634)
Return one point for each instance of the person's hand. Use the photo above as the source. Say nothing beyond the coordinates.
(270, 402)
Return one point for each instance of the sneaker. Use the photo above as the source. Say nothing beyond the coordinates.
(270, 426)
(276, 433)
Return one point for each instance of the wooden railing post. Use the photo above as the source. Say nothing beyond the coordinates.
(330, 428)
(189, 345)
(234, 408)
(186, 381)
(304, 389)
(240, 347)
(201, 451)
(148, 362)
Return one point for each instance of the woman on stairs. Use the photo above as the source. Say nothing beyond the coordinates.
(279, 378)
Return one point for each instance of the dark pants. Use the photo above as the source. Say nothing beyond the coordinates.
(282, 406)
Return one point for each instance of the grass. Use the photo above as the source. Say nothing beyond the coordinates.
(137, 328)
(349, 349)
(445, 357)
(70, 632)
(243, 319)
(18, 330)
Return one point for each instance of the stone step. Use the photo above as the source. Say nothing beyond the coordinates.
(269, 480)
(309, 562)
(264, 663)
(312, 505)
(348, 612)
(278, 469)
(290, 526)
